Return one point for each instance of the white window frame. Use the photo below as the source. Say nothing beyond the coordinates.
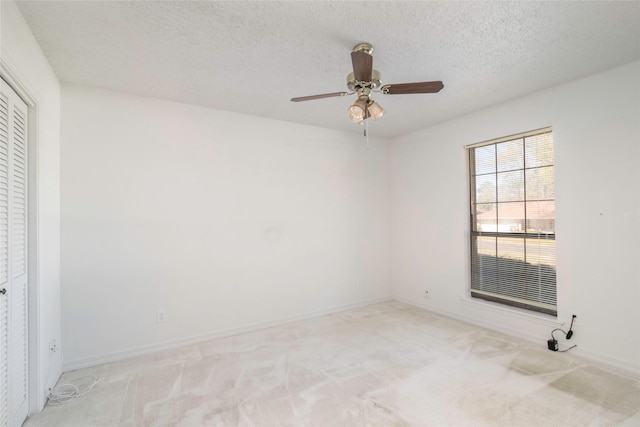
(510, 282)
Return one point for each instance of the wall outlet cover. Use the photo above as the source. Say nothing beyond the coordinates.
(161, 316)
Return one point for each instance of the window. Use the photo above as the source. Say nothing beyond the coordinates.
(513, 247)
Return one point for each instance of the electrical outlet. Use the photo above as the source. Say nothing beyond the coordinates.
(161, 316)
(53, 346)
(427, 294)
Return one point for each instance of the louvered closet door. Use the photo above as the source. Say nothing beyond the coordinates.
(13, 258)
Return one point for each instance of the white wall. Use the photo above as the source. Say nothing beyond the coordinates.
(596, 125)
(227, 221)
(24, 63)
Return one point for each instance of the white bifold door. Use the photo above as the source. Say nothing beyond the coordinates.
(13, 258)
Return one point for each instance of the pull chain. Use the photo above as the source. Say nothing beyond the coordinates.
(366, 132)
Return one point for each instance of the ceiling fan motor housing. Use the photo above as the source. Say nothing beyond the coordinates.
(354, 85)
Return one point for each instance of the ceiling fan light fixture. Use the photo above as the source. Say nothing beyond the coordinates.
(375, 110)
(358, 111)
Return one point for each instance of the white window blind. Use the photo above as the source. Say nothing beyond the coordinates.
(513, 250)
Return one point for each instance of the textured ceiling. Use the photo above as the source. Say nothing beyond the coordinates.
(252, 57)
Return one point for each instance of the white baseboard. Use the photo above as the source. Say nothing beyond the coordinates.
(618, 365)
(52, 380)
(607, 361)
(496, 326)
(621, 366)
(55, 371)
(167, 345)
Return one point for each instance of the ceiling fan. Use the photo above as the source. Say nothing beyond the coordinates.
(364, 80)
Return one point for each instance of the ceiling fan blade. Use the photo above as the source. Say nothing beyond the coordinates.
(324, 95)
(362, 65)
(408, 88)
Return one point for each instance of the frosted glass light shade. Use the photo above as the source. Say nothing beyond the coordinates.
(357, 112)
(375, 110)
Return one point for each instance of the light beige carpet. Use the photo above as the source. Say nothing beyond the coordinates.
(387, 364)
